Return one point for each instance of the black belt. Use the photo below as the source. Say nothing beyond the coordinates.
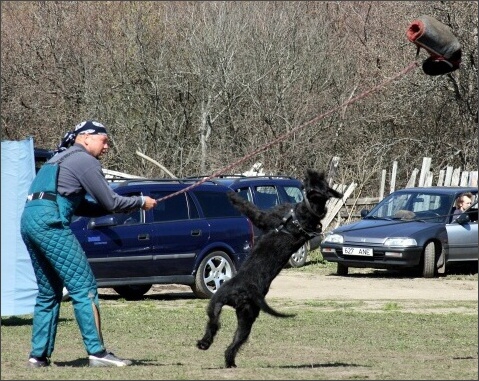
(42, 196)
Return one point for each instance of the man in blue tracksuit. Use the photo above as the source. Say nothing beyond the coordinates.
(56, 194)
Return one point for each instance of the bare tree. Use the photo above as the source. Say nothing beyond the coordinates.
(199, 85)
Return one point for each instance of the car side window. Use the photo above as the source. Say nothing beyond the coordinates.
(245, 193)
(216, 204)
(266, 197)
(132, 217)
(170, 209)
(294, 194)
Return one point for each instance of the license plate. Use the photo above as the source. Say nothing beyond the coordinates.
(365, 252)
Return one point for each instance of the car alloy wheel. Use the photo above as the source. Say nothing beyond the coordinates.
(298, 259)
(216, 268)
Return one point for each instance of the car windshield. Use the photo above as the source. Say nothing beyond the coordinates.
(422, 206)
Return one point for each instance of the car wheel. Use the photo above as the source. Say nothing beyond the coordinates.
(133, 291)
(429, 261)
(342, 269)
(213, 271)
(298, 259)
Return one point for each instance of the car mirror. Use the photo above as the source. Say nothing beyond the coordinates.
(364, 213)
(102, 221)
(463, 219)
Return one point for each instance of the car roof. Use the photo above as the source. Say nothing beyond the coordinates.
(438, 190)
(181, 183)
(238, 180)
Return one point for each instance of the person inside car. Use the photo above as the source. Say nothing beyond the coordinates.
(463, 202)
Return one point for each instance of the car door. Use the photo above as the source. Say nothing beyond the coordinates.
(179, 234)
(463, 237)
(118, 245)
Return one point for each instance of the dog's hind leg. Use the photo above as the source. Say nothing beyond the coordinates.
(212, 327)
(246, 316)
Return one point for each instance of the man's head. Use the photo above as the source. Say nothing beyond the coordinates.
(90, 127)
(93, 136)
(463, 201)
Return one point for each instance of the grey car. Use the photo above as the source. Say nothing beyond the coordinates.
(409, 229)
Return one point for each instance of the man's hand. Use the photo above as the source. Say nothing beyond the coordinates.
(149, 203)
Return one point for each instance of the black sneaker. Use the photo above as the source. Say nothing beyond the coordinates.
(107, 359)
(38, 362)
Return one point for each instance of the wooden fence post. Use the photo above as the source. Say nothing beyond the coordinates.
(333, 170)
(440, 179)
(447, 180)
(428, 179)
(426, 164)
(382, 185)
(393, 176)
(412, 180)
(455, 177)
(464, 179)
(334, 205)
(472, 179)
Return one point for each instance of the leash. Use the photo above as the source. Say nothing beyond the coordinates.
(263, 148)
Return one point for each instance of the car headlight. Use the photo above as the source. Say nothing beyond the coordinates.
(333, 238)
(400, 242)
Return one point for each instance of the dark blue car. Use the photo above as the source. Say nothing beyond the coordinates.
(411, 228)
(196, 238)
(266, 192)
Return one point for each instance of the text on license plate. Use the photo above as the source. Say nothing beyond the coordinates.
(366, 252)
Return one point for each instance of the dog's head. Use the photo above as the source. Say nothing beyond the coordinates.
(317, 189)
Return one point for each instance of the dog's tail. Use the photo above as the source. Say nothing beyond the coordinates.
(266, 308)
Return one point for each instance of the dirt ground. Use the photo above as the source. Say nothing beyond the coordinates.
(299, 286)
(309, 286)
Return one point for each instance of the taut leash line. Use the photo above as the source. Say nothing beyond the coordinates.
(364, 94)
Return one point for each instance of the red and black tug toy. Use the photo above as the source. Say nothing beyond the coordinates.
(438, 40)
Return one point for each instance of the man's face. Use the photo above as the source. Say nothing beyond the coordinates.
(97, 145)
(466, 203)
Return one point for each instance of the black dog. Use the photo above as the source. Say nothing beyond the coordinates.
(287, 227)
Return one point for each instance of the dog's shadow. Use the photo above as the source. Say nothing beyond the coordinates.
(318, 365)
(158, 297)
(309, 366)
(83, 362)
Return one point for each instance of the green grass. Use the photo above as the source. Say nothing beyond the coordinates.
(326, 340)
